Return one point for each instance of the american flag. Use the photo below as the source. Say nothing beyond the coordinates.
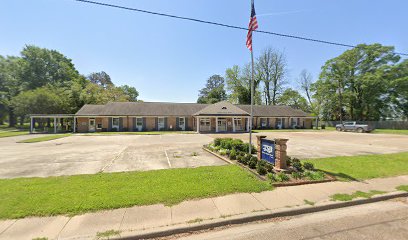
(253, 25)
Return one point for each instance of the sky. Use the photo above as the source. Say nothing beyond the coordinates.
(169, 60)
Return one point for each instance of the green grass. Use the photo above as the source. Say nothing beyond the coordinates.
(391, 131)
(71, 195)
(107, 234)
(364, 167)
(140, 133)
(12, 133)
(402, 188)
(359, 194)
(45, 138)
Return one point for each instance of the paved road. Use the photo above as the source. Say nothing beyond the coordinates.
(383, 220)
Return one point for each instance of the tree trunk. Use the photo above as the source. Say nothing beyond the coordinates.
(12, 118)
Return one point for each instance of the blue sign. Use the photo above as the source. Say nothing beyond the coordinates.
(268, 150)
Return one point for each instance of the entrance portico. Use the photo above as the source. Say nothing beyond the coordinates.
(222, 117)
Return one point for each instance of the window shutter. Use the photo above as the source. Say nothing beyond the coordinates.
(186, 123)
(134, 124)
(177, 123)
(156, 124)
(120, 124)
(267, 122)
(109, 124)
(144, 124)
(165, 123)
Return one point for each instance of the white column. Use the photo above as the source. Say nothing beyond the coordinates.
(216, 124)
(233, 124)
(31, 124)
(74, 124)
(55, 125)
(248, 124)
(198, 124)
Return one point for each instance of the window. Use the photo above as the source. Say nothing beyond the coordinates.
(238, 124)
(160, 123)
(264, 122)
(205, 122)
(115, 123)
(99, 126)
(139, 122)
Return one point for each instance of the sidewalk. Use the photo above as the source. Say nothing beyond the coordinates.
(135, 220)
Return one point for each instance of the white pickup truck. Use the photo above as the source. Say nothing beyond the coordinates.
(353, 126)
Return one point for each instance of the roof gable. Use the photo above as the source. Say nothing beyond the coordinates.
(223, 108)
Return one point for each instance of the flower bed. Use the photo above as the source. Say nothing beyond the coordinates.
(296, 174)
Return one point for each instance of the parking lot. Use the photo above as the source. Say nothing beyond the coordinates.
(82, 154)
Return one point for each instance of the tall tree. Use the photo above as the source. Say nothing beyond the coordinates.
(214, 90)
(41, 66)
(100, 78)
(239, 85)
(353, 85)
(131, 92)
(293, 98)
(271, 70)
(305, 82)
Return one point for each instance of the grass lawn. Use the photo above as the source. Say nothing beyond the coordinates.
(12, 133)
(45, 138)
(365, 166)
(391, 131)
(78, 194)
(140, 133)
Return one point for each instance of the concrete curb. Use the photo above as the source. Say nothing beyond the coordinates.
(257, 216)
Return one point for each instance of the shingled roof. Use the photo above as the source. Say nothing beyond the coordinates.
(186, 109)
(223, 108)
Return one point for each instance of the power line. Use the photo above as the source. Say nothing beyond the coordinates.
(224, 25)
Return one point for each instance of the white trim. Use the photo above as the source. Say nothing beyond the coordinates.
(116, 126)
(184, 123)
(94, 125)
(164, 123)
(216, 124)
(233, 124)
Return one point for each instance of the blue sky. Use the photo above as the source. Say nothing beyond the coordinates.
(170, 60)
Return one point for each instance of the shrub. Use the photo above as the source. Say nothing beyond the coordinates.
(217, 142)
(308, 166)
(253, 161)
(296, 175)
(269, 166)
(282, 177)
(245, 147)
(223, 152)
(271, 176)
(226, 143)
(297, 165)
(239, 158)
(233, 154)
(315, 176)
(288, 161)
(260, 168)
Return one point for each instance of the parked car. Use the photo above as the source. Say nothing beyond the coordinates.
(353, 126)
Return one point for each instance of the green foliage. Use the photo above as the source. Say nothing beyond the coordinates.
(308, 166)
(217, 141)
(314, 175)
(360, 84)
(294, 99)
(296, 175)
(261, 167)
(297, 165)
(233, 154)
(282, 177)
(253, 161)
(213, 91)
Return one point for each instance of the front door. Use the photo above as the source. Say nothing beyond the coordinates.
(91, 125)
(139, 124)
(222, 125)
(182, 123)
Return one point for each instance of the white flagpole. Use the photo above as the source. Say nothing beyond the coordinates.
(252, 98)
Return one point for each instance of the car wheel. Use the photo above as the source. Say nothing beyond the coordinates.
(360, 130)
(338, 129)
